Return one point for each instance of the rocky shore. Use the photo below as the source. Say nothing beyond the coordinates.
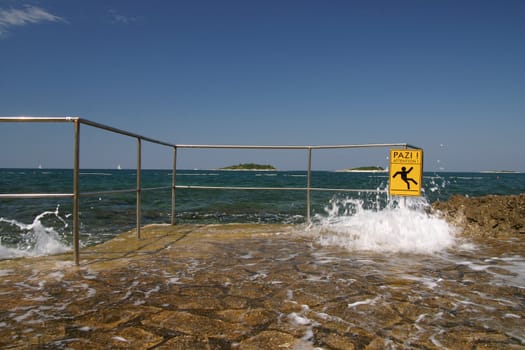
(486, 217)
(269, 287)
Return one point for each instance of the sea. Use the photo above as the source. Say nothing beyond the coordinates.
(32, 227)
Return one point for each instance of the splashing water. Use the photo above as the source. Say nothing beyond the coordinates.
(405, 226)
(34, 239)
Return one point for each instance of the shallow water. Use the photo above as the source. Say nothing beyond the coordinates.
(264, 287)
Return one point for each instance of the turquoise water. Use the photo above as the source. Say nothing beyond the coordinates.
(103, 215)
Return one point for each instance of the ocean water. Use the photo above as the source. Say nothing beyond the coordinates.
(356, 220)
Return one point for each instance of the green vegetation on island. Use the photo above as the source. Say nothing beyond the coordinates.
(249, 166)
(499, 172)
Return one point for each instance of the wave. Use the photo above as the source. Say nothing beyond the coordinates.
(398, 228)
(33, 239)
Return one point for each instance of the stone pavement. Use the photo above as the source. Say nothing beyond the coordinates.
(253, 287)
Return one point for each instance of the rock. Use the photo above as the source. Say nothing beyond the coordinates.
(185, 342)
(488, 216)
(112, 317)
(336, 341)
(269, 340)
(251, 317)
(192, 324)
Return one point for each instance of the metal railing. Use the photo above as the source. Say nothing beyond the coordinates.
(76, 194)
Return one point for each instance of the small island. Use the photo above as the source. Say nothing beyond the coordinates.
(499, 172)
(249, 166)
(365, 169)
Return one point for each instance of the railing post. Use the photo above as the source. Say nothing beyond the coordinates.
(174, 185)
(76, 221)
(139, 185)
(308, 187)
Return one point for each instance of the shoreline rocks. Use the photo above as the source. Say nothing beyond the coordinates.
(492, 216)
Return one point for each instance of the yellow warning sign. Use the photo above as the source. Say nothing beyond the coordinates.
(406, 172)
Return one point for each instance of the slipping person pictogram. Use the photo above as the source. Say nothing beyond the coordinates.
(404, 176)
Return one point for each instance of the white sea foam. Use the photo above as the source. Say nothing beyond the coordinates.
(363, 302)
(38, 239)
(147, 293)
(116, 337)
(173, 280)
(429, 282)
(259, 275)
(297, 319)
(399, 227)
(513, 265)
(300, 319)
(57, 275)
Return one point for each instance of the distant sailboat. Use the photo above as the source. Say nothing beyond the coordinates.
(119, 167)
(39, 166)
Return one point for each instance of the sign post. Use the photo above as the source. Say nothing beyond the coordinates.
(406, 172)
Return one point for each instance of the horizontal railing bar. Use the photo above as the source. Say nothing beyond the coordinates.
(241, 147)
(132, 190)
(124, 132)
(156, 188)
(26, 119)
(96, 193)
(297, 147)
(277, 188)
(35, 195)
(369, 145)
(345, 190)
(241, 188)
(87, 194)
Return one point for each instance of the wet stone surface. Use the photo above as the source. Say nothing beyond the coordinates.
(262, 287)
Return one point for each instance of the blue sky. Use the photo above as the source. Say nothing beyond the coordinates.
(447, 76)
